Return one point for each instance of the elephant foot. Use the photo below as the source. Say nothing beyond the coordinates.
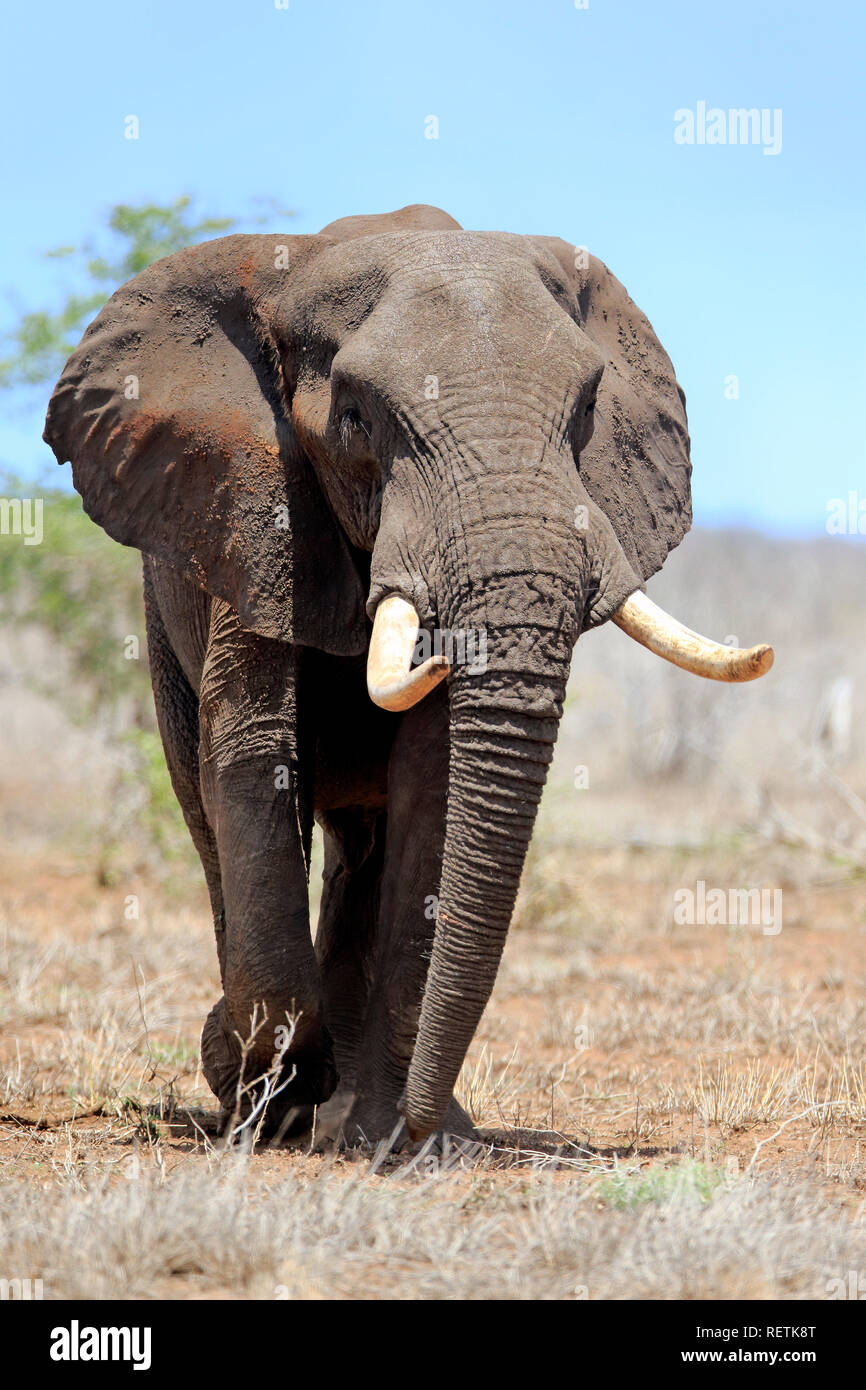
(318, 1129)
(305, 1077)
(369, 1125)
(347, 1121)
(331, 1120)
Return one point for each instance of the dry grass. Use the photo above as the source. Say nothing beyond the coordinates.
(668, 1114)
(214, 1230)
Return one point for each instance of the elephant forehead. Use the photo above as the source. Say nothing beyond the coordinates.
(394, 251)
(347, 281)
(489, 335)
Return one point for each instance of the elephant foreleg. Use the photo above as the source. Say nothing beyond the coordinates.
(252, 792)
(177, 718)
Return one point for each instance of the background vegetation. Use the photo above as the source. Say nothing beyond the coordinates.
(79, 588)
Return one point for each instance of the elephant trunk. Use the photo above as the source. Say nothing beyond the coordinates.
(503, 574)
(498, 764)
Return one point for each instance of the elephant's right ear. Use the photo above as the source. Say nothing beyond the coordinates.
(172, 413)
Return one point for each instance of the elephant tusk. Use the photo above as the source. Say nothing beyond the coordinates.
(654, 628)
(392, 681)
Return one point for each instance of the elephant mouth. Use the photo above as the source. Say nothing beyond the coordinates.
(395, 684)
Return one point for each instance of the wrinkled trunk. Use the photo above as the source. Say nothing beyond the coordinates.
(499, 762)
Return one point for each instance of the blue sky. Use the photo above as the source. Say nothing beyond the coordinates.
(552, 120)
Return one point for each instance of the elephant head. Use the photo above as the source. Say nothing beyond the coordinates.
(464, 432)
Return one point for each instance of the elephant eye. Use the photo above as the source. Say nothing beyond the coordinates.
(350, 424)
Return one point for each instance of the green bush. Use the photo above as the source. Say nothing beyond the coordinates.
(78, 586)
(84, 591)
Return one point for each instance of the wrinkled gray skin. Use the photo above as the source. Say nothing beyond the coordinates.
(483, 423)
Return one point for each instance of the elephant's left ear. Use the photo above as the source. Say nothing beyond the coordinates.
(172, 411)
(636, 466)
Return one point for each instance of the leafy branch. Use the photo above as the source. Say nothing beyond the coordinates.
(135, 237)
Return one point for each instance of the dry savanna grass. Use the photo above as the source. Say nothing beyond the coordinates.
(668, 1112)
(671, 1109)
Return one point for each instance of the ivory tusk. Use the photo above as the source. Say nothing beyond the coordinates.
(392, 681)
(654, 628)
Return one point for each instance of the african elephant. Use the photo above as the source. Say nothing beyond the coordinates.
(400, 423)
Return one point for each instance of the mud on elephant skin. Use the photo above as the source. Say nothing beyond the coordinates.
(339, 448)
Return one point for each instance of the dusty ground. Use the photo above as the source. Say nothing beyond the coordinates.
(636, 1081)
